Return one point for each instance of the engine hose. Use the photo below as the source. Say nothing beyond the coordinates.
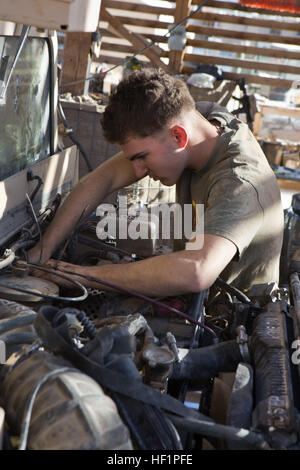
(206, 362)
(244, 436)
(19, 337)
(233, 290)
(16, 322)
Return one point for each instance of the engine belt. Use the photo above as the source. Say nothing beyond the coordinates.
(108, 378)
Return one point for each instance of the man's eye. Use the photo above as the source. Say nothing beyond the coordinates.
(142, 156)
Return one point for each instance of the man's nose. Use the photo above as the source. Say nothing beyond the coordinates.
(140, 168)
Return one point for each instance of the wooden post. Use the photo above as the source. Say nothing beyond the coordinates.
(176, 57)
(76, 62)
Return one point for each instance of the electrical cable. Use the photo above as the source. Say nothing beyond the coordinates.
(135, 294)
(153, 43)
(38, 226)
(28, 412)
(52, 297)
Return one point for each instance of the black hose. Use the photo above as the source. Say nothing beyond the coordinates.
(244, 436)
(233, 290)
(207, 362)
(19, 337)
(16, 322)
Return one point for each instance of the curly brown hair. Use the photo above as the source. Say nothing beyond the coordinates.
(143, 103)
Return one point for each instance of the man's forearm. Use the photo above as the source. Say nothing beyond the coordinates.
(161, 275)
(111, 175)
(172, 274)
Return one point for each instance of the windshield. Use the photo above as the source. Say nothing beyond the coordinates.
(25, 110)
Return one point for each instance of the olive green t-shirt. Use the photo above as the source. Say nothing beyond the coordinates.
(241, 200)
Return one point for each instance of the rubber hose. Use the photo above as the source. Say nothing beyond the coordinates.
(16, 322)
(19, 337)
(203, 363)
(248, 438)
(233, 291)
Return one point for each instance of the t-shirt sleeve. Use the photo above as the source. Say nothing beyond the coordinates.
(233, 211)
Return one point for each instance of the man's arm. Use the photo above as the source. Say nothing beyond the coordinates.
(175, 273)
(113, 174)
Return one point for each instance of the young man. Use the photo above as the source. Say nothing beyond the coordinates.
(213, 158)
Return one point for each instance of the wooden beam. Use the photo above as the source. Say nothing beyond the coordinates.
(160, 52)
(245, 21)
(246, 64)
(288, 111)
(212, 31)
(140, 7)
(123, 48)
(249, 50)
(176, 57)
(244, 35)
(143, 22)
(136, 42)
(111, 60)
(280, 54)
(76, 61)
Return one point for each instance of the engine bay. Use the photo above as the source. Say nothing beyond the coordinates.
(95, 369)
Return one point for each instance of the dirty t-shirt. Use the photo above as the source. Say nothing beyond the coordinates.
(241, 200)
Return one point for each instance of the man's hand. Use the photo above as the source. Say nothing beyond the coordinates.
(37, 255)
(57, 279)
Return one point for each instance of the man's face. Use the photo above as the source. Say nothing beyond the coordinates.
(157, 156)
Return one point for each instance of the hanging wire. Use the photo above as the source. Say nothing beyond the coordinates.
(153, 43)
(28, 413)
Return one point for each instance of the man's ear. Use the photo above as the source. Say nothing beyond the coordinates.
(179, 134)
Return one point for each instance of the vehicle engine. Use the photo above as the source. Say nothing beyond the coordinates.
(91, 369)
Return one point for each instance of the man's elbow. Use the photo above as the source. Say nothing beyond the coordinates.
(201, 279)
